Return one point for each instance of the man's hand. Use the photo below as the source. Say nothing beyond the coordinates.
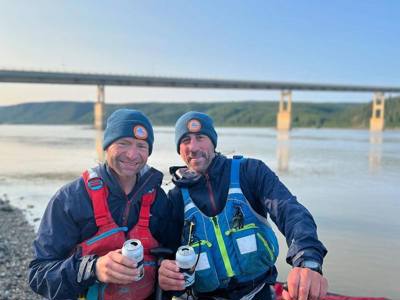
(305, 284)
(169, 277)
(116, 268)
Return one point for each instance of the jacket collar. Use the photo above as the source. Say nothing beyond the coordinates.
(183, 177)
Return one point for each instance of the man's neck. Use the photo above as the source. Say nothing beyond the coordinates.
(127, 183)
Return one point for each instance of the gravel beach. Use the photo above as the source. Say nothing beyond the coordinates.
(16, 236)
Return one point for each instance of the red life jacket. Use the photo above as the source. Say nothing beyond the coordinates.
(111, 237)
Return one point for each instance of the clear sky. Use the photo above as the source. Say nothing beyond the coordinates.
(340, 42)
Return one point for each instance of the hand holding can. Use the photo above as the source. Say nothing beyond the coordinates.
(186, 261)
(133, 249)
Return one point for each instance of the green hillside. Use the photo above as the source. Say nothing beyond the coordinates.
(250, 113)
(60, 112)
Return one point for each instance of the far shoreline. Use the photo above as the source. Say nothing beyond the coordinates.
(91, 127)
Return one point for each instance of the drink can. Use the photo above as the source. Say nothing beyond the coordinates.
(186, 261)
(133, 249)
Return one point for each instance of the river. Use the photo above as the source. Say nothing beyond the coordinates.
(348, 179)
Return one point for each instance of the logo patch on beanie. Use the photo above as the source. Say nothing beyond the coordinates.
(140, 132)
(194, 125)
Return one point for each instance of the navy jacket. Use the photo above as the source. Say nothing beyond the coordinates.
(69, 220)
(266, 194)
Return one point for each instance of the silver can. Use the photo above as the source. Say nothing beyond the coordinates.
(186, 261)
(133, 249)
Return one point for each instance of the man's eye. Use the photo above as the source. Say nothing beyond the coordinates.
(185, 141)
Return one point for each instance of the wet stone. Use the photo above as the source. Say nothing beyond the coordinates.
(16, 237)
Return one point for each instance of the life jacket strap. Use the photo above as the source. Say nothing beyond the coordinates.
(235, 171)
(98, 193)
(144, 215)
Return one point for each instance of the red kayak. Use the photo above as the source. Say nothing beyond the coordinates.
(279, 289)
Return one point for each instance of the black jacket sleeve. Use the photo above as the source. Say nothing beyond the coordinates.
(53, 271)
(269, 196)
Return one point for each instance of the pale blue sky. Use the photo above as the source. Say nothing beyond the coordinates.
(349, 42)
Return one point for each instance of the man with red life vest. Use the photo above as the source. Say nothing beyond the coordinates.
(223, 205)
(78, 246)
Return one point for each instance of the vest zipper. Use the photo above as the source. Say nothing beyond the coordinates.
(129, 202)
(211, 194)
(222, 247)
(126, 211)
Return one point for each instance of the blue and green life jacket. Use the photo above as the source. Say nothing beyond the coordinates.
(237, 243)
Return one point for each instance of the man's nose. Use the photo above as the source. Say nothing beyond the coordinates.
(193, 145)
(132, 151)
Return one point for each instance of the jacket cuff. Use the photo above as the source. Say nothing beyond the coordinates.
(306, 254)
(87, 270)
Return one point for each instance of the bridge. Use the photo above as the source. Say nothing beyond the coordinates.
(286, 88)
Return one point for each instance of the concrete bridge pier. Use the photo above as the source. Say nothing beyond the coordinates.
(284, 117)
(99, 108)
(98, 121)
(377, 120)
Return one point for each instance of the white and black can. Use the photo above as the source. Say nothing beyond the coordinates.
(186, 261)
(134, 250)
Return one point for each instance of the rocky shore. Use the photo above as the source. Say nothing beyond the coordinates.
(16, 236)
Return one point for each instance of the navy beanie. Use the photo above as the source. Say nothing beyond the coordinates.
(128, 123)
(195, 122)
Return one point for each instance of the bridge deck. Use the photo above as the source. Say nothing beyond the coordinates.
(15, 76)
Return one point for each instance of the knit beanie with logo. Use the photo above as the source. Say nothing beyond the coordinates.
(195, 122)
(128, 123)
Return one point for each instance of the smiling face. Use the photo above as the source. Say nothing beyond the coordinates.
(197, 151)
(127, 156)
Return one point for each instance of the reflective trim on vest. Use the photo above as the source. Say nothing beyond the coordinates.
(247, 246)
(235, 191)
(189, 206)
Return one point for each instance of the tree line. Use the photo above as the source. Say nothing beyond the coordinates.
(237, 114)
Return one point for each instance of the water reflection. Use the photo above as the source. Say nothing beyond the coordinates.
(282, 150)
(99, 145)
(375, 151)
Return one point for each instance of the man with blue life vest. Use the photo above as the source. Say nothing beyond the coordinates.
(223, 205)
(78, 246)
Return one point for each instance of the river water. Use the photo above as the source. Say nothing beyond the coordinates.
(348, 179)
